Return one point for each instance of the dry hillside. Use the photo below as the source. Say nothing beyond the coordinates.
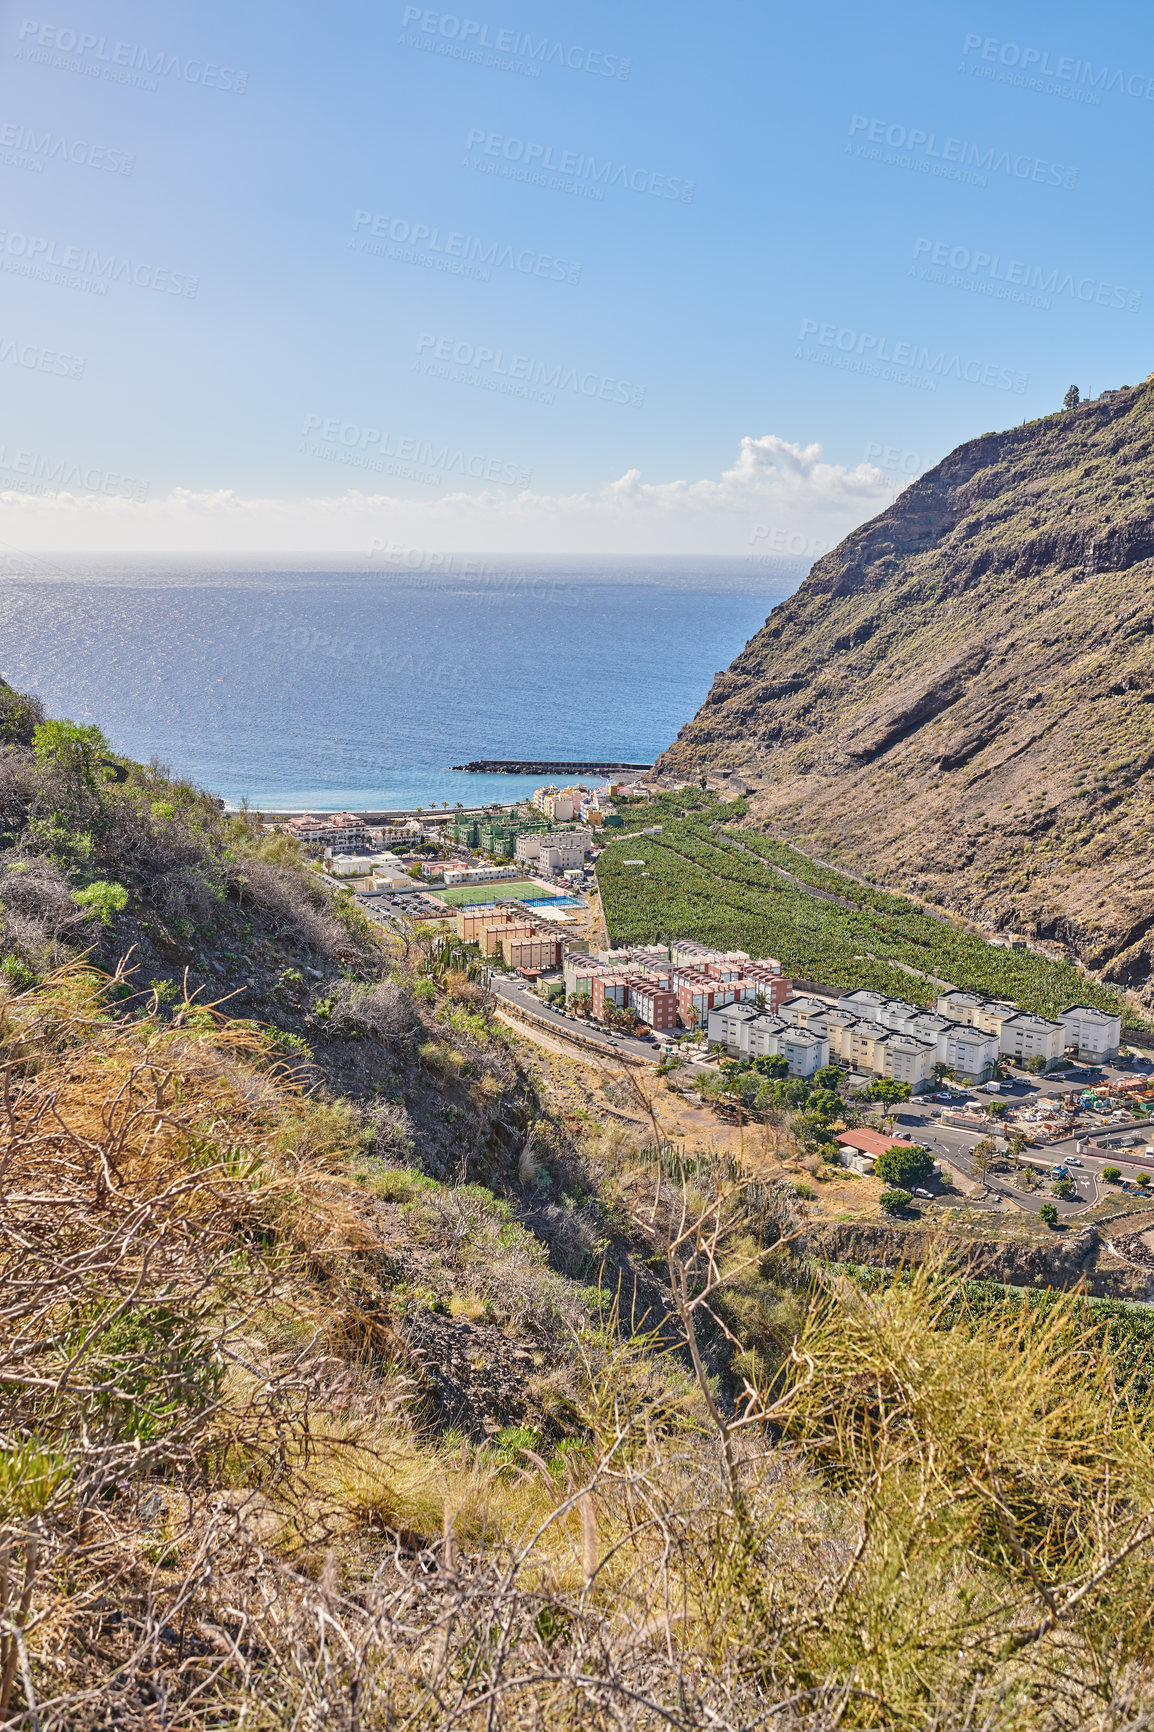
(959, 700)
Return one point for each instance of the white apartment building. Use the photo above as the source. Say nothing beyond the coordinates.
(959, 1006)
(908, 1060)
(965, 1045)
(865, 1004)
(334, 830)
(1019, 1035)
(478, 874)
(1025, 1037)
(728, 1024)
(747, 1032)
(801, 1011)
(363, 865)
(970, 1052)
(1093, 1034)
(555, 851)
(559, 804)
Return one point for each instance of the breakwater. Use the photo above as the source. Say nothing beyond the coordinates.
(545, 767)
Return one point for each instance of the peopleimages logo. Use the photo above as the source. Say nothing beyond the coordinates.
(954, 158)
(37, 148)
(73, 50)
(540, 160)
(867, 352)
(461, 575)
(352, 650)
(517, 375)
(74, 267)
(1034, 65)
(1015, 279)
(460, 255)
(32, 472)
(469, 35)
(782, 544)
(413, 459)
(36, 359)
(892, 457)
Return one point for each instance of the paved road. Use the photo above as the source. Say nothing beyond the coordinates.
(516, 997)
(957, 1146)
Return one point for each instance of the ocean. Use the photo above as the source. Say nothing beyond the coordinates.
(302, 683)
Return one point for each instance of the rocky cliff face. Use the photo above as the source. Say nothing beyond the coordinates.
(959, 699)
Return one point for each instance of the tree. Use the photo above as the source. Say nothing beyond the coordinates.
(893, 1201)
(580, 1004)
(1062, 1188)
(1142, 1179)
(74, 749)
(1111, 1174)
(1072, 398)
(1049, 1214)
(884, 1088)
(997, 1109)
(1036, 1065)
(772, 1064)
(944, 1072)
(825, 1104)
(904, 1164)
(982, 1156)
(828, 1077)
(622, 1017)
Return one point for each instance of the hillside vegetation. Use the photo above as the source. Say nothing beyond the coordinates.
(958, 699)
(348, 1381)
(711, 877)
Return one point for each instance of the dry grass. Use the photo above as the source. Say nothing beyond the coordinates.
(217, 1506)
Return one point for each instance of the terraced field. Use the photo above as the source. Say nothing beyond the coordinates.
(703, 878)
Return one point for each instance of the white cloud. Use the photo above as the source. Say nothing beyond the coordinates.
(777, 497)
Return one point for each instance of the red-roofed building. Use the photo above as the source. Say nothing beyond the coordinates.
(860, 1149)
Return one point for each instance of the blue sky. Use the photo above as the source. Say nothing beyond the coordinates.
(541, 277)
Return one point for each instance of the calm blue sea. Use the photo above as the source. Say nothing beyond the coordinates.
(323, 688)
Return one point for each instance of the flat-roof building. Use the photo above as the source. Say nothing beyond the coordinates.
(1093, 1034)
(1024, 1037)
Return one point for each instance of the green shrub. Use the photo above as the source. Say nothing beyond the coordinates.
(1111, 1174)
(72, 748)
(894, 1201)
(17, 974)
(102, 898)
(1049, 1214)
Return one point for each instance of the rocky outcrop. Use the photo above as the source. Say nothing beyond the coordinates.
(1073, 1258)
(959, 700)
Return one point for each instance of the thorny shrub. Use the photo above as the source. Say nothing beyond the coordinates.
(216, 1509)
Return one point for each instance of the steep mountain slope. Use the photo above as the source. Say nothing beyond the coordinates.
(960, 700)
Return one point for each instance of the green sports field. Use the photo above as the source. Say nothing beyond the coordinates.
(464, 895)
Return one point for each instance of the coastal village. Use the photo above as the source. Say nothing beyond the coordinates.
(512, 880)
(515, 886)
